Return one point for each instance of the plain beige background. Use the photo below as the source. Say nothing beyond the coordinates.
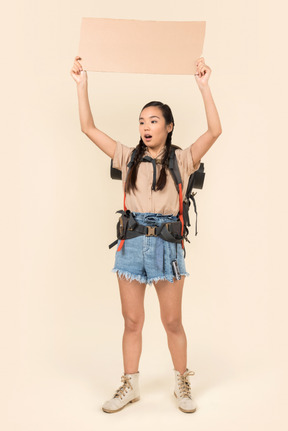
(61, 322)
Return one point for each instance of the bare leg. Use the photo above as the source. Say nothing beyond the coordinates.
(170, 299)
(132, 300)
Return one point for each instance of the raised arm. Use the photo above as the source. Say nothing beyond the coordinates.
(205, 141)
(103, 141)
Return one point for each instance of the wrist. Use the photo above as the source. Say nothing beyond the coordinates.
(82, 85)
(204, 88)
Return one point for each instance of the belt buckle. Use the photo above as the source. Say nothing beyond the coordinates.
(151, 231)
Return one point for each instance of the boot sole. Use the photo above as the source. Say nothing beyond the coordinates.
(114, 411)
(185, 411)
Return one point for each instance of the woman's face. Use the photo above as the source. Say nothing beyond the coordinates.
(152, 127)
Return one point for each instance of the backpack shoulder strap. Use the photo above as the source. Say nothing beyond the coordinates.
(115, 173)
(173, 167)
(130, 164)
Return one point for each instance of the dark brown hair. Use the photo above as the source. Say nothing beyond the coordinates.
(141, 147)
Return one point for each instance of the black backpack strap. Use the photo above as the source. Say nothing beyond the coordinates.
(175, 173)
(190, 185)
(130, 164)
(115, 173)
(174, 168)
(151, 160)
(186, 203)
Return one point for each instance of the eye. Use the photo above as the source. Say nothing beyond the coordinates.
(154, 121)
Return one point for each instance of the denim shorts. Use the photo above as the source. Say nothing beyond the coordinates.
(148, 259)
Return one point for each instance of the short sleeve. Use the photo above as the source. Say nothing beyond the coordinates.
(121, 155)
(185, 161)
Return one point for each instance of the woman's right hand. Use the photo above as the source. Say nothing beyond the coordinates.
(78, 74)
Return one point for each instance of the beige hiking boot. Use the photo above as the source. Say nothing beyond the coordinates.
(127, 393)
(183, 391)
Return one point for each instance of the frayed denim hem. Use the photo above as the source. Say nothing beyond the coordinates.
(170, 279)
(128, 276)
(142, 279)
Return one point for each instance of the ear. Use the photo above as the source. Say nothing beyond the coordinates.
(170, 127)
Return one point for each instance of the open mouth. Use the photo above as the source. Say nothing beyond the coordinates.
(147, 137)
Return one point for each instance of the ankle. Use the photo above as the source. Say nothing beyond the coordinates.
(181, 370)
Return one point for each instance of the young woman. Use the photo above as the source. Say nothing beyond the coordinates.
(152, 199)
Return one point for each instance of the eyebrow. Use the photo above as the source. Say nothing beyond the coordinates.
(151, 116)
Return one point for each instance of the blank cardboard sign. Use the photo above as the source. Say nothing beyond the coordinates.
(133, 46)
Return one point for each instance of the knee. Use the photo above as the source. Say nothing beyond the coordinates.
(133, 323)
(173, 324)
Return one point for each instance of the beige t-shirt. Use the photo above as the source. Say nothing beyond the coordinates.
(145, 199)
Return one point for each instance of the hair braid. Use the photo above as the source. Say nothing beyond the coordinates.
(132, 175)
(165, 159)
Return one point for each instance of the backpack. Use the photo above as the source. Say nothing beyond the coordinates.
(196, 180)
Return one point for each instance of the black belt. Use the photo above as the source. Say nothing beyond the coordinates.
(169, 231)
(127, 228)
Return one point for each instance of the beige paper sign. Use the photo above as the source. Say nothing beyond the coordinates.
(133, 46)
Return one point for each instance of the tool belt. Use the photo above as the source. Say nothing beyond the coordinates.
(127, 227)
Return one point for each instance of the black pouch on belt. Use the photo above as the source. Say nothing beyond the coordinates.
(126, 221)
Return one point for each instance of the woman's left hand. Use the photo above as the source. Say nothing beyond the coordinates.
(203, 73)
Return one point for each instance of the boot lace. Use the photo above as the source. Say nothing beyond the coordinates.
(184, 384)
(123, 389)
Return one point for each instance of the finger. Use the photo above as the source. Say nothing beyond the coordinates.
(77, 58)
(199, 66)
(78, 62)
(76, 69)
(77, 66)
(199, 60)
(202, 67)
